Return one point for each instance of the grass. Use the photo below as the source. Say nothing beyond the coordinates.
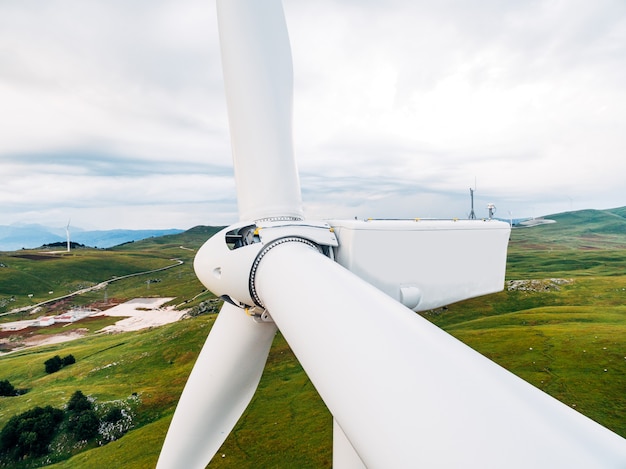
(560, 340)
(28, 272)
(294, 421)
(581, 230)
(37, 275)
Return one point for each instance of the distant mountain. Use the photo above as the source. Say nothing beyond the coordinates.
(15, 237)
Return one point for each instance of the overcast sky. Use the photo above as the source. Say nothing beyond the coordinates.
(112, 113)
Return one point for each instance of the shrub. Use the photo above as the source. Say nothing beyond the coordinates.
(68, 360)
(7, 389)
(78, 403)
(83, 422)
(29, 434)
(116, 419)
(114, 414)
(50, 433)
(53, 364)
(84, 425)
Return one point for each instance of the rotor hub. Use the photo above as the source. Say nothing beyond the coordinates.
(227, 263)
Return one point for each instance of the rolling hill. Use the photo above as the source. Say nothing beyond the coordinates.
(560, 323)
(583, 229)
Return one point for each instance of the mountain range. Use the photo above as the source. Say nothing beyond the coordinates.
(588, 225)
(15, 237)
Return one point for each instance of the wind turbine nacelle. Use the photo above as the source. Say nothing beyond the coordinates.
(425, 264)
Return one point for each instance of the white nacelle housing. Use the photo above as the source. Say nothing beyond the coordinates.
(425, 264)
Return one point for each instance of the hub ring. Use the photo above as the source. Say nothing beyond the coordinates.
(255, 265)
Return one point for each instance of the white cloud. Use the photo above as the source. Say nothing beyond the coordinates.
(399, 105)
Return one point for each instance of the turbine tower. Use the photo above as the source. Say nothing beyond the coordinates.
(402, 392)
(67, 234)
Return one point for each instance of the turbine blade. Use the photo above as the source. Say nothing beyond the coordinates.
(220, 387)
(258, 80)
(344, 455)
(407, 394)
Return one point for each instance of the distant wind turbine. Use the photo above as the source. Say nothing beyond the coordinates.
(67, 234)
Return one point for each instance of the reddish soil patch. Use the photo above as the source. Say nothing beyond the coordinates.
(62, 306)
(132, 318)
(27, 331)
(59, 307)
(104, 305)
(33, 335)
(10, 340)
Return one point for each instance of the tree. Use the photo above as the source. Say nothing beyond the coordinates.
(53, 364)
(69, 360)
(29, 434)
(113, 415)
(78, 403)
(83, 422)
(84, 425)
(7, 389)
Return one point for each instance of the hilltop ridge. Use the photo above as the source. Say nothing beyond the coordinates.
(581, 229)
(15, 237)
(594, 228)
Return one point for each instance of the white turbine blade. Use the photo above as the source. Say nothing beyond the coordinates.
(258, 78)
(407, 394)
(220, 387)
(344, 454)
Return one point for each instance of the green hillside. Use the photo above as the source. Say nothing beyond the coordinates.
(620, 211)
(37, 272)
(154, 364)
(560, 324)
(583, 229)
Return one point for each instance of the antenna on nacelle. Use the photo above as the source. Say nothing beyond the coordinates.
(472, 215)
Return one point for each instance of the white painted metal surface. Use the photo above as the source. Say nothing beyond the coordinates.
(224, 271)
(223, 380)
(403, 392)
(258, 79)
(425, 264)
(344, 454)
(407, 394)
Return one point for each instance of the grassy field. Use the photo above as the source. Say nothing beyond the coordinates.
(286, 414)
(566, 337)
(37, 273)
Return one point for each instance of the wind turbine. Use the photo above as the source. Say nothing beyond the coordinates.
(67, 234)
(402, 392)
